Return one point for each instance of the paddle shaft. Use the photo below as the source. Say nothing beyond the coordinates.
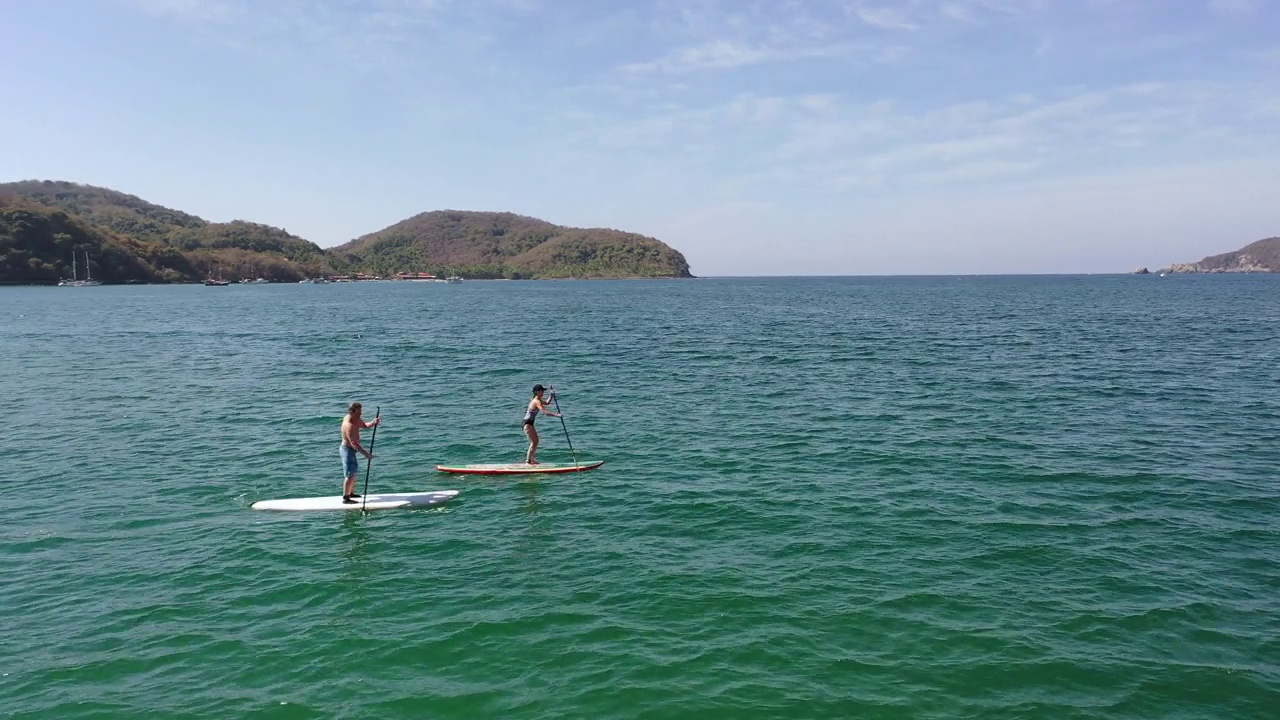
(566, 427)
(364, 497)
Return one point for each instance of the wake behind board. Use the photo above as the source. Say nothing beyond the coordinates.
(381, 501)
(517, 468)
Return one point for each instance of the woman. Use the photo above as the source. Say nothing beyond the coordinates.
(530, 414)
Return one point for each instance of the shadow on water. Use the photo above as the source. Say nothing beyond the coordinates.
(355, 537)
(530, 504)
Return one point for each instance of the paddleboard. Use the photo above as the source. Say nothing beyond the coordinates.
(381, 501)
(516, 468)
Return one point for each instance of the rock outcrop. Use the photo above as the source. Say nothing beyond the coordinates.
(1262, 256)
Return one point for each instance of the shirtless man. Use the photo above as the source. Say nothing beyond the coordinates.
(351, 426)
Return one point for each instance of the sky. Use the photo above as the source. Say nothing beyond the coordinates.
(818, 137)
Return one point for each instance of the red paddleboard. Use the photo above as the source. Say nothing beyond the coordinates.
(517, 468)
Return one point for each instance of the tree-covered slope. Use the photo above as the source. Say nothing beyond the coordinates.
(496, 244)
(37, 242)
(602, 253)
(125, 214)
(138, 241)
(233, 250)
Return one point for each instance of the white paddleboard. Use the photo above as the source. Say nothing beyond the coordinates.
(381, 501)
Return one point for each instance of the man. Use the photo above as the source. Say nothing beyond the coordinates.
(351, 427)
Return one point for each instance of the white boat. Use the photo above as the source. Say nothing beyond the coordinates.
(75, 272)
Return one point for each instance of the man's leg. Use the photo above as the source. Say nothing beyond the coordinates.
(351, 468)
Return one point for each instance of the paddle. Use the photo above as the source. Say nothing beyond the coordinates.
(364, 497)
(566, 427)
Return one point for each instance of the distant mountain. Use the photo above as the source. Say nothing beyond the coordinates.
(1262, 256)
(116, 211)
(233, 250)
(499, 244)
(37, 243)
(137, 241)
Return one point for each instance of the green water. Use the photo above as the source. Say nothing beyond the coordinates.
(847, 498)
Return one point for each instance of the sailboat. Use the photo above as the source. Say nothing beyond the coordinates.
(253, 270)
(216, 281)
(88, 280)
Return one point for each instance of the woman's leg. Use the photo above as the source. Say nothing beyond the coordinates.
(532, 434)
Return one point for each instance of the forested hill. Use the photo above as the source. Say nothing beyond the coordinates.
(116, 211)
(128, 239)
(129, 225)
(37, 243)
(499, 244)
(1260, 256)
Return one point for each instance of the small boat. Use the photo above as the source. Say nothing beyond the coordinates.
(214, 278)
(75, 271)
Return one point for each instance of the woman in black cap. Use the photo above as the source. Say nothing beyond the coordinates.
(530, 414)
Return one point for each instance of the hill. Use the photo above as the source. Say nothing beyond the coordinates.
(1261, 256)
(233, 250)
(505, 245)
(132, 240)
(37, 243)
(116, 211)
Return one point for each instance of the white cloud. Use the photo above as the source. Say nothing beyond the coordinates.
(341, 26)
(979, 170)
(830, 143)
(970, 11)
(202, 11)
(757, 110)
(1234, 8)
(727, 55)
(884, 17)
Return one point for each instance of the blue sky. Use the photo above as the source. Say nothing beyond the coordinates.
(759, 138)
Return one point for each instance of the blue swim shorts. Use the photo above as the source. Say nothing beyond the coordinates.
(349, 464)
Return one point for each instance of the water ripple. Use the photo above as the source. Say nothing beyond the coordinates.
(873, 498)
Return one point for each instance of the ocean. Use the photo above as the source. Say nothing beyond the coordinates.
(936, 497)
